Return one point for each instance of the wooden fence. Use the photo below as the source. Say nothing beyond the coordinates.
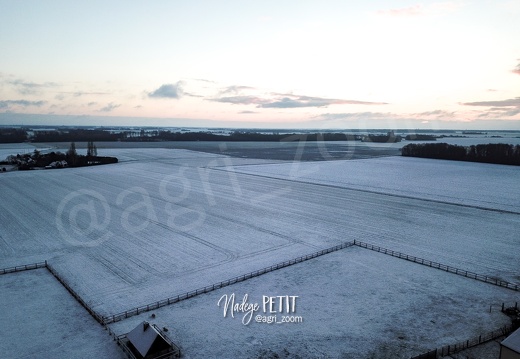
(76, 296)
(443, 267)
(23, 267)
(443, 351)
(209, 288)
(457, 347)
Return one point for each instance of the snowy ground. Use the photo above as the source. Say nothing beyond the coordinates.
(467, 183)
(355, 303)
(166, 221)
(41, 320)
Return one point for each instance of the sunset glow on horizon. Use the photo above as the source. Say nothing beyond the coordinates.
(309, 64)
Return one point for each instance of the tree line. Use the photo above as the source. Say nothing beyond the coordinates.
(84, 135)
(12, 135)
(499, 153)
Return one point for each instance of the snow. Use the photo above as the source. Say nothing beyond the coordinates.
(355, 303)
(467, 183)
(166, 221)
(41, 320)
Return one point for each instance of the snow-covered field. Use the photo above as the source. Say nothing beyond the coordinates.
(165, 221)
(41, 320)
(354, 303)
(467, 183)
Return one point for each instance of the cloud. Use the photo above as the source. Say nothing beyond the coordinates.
(205, 80)
(110, 107)
(22, 103)
(240, 100)
(235, 89)
(499, 112)
(278, 100)
(168, 91)
(247, 112)
(498, 109)
(288, 102)
(437, 113)
(83, 93)
(30, 88)
(308, 101)
(61, 96)
(435, 116)
(500, 103)
(355, 116)
(517, 69)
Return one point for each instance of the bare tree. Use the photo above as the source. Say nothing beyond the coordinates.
(72, 155)
(91, 149)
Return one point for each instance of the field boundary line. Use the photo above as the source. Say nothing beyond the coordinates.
(23, 267)
(440, 266)
(171, 300)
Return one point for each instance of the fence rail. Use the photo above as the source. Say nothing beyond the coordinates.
(23, 267)
(76, 296)
(161, 303)
(443, 351)
(457, 347)
(444, 267)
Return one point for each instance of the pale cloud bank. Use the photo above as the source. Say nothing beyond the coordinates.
(6, 104)
(288, 101)
(171, 91)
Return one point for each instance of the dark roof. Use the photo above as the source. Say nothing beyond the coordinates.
(146, 339)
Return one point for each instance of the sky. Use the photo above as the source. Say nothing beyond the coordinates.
(265, 64)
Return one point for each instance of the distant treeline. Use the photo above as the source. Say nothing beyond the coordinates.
(390, 138)
(12, 135)
(499, 153)
(84, 135)
(419, 137)
(239, 136)
(76, 135)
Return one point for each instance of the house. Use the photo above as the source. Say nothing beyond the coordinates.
(57, 164)
(510, 347)
(147, 341)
